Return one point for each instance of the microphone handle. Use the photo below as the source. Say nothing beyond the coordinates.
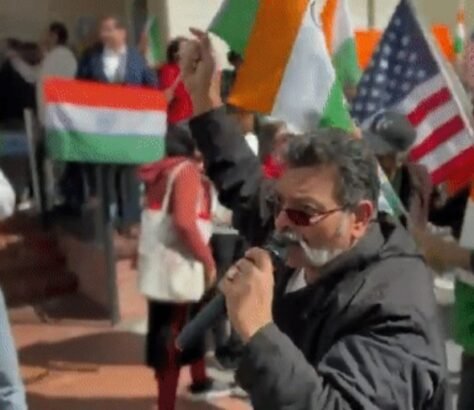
(206, 317)
(216, 308)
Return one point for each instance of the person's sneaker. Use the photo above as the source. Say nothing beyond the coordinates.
(209, 390)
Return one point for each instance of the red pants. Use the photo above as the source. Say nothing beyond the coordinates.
(168, 378)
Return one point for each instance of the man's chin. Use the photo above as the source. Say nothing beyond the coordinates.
(295, 258)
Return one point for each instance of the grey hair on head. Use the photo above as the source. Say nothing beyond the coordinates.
(352, 158)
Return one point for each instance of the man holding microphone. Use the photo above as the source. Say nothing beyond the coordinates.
(350, 321)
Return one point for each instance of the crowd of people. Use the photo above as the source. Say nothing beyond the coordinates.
(349, 320)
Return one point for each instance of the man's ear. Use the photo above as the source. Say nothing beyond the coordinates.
(362, 217)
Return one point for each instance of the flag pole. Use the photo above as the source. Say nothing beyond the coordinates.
(371, 13)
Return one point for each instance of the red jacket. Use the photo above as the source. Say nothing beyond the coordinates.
(180, 108)
(187, 188)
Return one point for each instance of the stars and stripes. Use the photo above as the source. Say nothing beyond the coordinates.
(404, 76)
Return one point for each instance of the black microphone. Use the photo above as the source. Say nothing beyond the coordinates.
(276, 246)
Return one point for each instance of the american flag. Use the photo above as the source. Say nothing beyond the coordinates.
(405, 77)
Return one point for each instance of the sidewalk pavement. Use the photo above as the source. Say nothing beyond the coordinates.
(69, 361)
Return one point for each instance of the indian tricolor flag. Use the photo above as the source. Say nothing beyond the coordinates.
(102, 123)
(464, 291)
(460, 36)
(339, 33)
(287, 71)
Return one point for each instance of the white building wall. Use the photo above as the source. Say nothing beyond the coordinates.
(27, 19)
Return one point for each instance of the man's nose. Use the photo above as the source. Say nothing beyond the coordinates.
(282, 222)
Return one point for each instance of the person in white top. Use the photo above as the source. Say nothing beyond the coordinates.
(7, 198)
(58, 61)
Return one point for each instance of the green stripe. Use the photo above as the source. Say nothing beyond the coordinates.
(99, 149)
(235, 22)
(335, 113)
(346, 64)
(464, 316)
(458, 45)
(389, 195)
(155, 48)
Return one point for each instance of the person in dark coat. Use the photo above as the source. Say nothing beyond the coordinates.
(391, 139)
(113, 62)
(350, 322)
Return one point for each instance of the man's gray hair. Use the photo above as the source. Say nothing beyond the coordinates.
(352, 158)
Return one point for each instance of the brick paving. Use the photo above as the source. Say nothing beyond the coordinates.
(76, 363)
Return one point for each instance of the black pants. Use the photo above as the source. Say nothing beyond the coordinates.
(79, 183)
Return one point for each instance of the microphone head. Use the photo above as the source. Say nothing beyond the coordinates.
(277, 245)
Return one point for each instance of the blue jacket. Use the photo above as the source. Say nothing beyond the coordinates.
(136, 72)
(12, 392)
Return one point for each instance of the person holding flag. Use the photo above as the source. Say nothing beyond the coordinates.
(180, 107)
(350, 321)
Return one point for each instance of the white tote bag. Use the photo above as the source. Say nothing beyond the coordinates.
(167, 271)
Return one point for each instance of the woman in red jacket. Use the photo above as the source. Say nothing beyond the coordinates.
(190, 201)
(180, 107)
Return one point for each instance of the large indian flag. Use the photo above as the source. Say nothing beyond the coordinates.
(288, 73)
(102, 123)
(339, 34)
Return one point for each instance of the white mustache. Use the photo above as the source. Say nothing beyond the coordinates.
(291, 237)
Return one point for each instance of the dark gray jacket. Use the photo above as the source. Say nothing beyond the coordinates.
(364, 337)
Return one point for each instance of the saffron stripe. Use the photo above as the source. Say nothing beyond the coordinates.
(59, 90)
(267, 54)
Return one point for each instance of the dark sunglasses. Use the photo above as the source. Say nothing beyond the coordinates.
(301, 218)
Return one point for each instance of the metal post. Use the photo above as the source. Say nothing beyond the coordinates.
(106, 218)
(371, 14)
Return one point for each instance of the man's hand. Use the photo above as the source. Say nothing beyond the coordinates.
(248, 289)
(199, 73)
(440, 254)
